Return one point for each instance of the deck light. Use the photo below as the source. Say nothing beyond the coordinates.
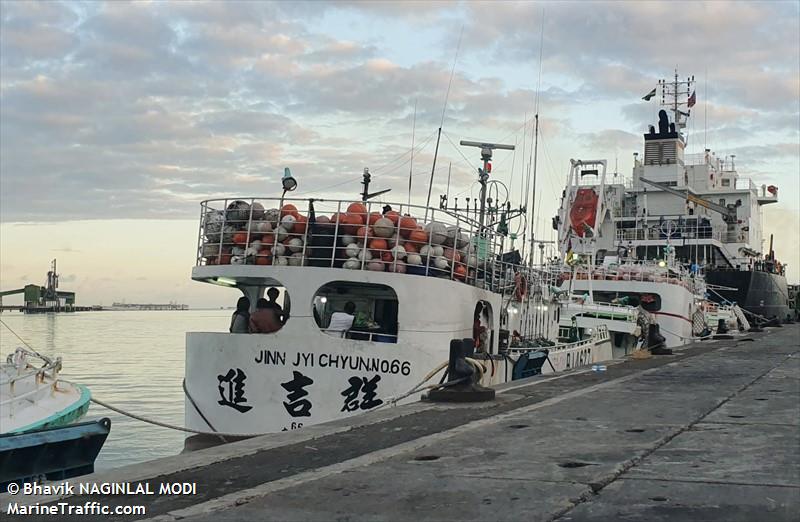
(289, 183)
(226, 281)
(323, 299)
(662, 263)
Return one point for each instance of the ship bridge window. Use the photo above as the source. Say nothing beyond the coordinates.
(726, 182)
(359, 311)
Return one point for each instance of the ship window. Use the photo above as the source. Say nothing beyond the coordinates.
(373, 309)
(726, 182)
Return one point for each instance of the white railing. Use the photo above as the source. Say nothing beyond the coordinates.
(25, 381)
(680, 232)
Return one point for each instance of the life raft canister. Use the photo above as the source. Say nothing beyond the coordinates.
(584, 210)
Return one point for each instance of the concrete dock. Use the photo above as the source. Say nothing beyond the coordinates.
(710, 433)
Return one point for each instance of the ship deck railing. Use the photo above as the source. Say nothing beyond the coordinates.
(634, 270)
(233, 231)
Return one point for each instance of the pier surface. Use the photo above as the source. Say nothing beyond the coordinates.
(711, 433)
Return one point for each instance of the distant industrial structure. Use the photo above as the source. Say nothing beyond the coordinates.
(42, 299)
(147, 306)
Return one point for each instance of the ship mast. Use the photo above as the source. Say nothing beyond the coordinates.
(676, 95)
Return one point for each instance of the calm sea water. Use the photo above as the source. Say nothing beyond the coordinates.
(133, 360)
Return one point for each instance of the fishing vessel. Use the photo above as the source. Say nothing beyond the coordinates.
(409, 278)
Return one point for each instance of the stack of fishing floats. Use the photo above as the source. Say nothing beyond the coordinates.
(389, 242)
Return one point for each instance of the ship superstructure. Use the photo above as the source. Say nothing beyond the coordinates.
(695, 207)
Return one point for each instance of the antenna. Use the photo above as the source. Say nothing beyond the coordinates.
(441, 123)
(365, 194)
(483, 174)
(411, 166)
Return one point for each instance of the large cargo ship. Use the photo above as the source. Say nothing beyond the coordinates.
(693, 207)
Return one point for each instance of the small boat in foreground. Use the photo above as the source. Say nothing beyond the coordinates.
(38, 437)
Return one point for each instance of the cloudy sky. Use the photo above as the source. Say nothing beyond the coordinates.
(117, 118)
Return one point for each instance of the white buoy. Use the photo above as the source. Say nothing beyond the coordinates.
(414, 259)
(296, 259)
(347, 239)
(375, 266)
(237, 260)
(399, 252)
(364, 255)
(210, 249)
(288, 221)
(425, 251)
(398, 267)
(352, 264)
(237, 251)
(281, 261)
(440, 263)
(282, 233)
(279, 249)
(437, 232)
(256, 244)
(383, 228)
(261, 227)
(352, 250)
(272, 216)
(295, 244)
(437, 251)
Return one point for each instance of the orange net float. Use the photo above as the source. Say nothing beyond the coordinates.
(240, 238)
(357, 208)
(363, 232)
(351, 223)
(373, 217)
(288, 210)
(224, 259)
(460, 272)
(264, 257)
(300, 224)
(393, 216)
(378, 245)
(418, 236)
(407, 225)
(411, 248)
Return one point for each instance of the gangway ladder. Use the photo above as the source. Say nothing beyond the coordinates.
(741, 317)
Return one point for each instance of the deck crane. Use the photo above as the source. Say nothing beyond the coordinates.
(728, 211)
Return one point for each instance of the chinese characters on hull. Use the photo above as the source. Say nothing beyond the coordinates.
(359, 385)
(297, 405)
(231, 390)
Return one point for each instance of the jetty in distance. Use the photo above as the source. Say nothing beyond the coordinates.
(147, 306)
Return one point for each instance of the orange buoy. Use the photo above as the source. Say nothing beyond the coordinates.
(411, 248)
(357, 208)
(373, 217)
(288, 209)
(460, 271)
(300, 224)
(351, 222)
(393, 216)
(225, 259)
(407, 225)
(378, 244)
(240, 238)
(264, 257)
(418, 236)
(363, 232)
(387, 257)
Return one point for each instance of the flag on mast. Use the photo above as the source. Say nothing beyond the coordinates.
(692, 100)
(649, 95)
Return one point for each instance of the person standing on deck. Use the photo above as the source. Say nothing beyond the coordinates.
(240, 320)
(265, 319)
(272, 295)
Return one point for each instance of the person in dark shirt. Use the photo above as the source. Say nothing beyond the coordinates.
(265, 319)
(272, 297)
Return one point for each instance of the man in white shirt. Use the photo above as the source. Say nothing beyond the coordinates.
(341, 322)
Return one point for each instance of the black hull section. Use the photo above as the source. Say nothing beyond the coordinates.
(761, 293)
